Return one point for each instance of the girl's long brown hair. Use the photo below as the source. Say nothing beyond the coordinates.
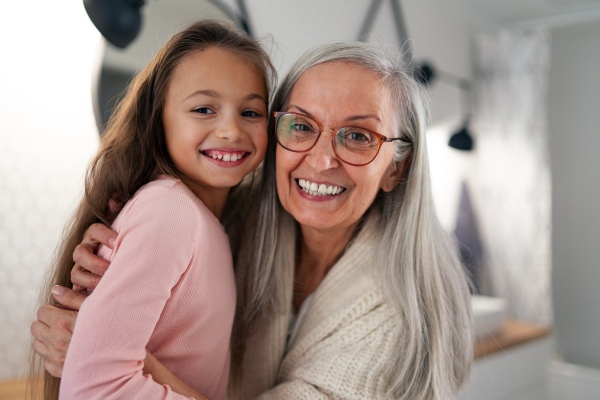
(133, 151)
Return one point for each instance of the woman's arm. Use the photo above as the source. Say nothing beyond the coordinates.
(53, 329)
(52, 333)
(162, 375)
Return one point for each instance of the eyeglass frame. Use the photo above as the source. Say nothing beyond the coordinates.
(381, 138)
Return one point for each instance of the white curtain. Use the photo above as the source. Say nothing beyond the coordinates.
(512, 190)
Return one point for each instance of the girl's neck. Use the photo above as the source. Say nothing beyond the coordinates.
(214, 199)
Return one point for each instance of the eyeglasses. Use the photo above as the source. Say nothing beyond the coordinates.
(353, 145)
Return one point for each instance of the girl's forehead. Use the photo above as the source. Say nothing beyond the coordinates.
(216, 69)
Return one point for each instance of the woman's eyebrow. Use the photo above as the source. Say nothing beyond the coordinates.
(363, 117)
(351, 118)
(302, 110)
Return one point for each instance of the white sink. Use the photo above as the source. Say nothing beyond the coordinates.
(488, 315)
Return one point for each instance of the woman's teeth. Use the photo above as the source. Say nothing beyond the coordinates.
(319, 190)
(231, 157)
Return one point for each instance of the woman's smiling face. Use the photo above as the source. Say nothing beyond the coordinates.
(336, 94)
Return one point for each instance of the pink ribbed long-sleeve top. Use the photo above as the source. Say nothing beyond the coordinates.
(170, 289)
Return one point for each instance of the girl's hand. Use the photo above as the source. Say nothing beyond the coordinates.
(89, 268)
(53, 329)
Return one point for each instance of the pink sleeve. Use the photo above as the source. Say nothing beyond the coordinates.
(155, 246)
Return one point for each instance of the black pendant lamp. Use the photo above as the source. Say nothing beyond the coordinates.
(462, 140)
(119, 21)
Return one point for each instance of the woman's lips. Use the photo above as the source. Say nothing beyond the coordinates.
(319, 189)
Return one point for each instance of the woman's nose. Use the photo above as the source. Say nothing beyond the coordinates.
(322, 157)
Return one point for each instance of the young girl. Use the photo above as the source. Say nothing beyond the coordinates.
(191, 126)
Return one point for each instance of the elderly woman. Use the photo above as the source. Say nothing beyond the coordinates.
(347, 285)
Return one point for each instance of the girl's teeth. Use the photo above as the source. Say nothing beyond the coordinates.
(231, 157)
(319, 190)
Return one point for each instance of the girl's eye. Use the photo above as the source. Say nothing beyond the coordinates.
(203, 110)
(250, 113)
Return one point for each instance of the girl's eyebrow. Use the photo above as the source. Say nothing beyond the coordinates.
(212, 93)
(209, 93)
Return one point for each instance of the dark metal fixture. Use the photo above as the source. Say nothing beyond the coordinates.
(425, 73)
(119, 21)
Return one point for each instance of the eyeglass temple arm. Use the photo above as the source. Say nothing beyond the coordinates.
(403, 138)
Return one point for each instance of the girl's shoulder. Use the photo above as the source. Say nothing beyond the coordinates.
(172, 199)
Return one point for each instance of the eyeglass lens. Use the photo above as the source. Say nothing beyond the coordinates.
(353, 145)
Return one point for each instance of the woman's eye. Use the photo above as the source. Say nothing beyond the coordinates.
(203, 110)
(357, 137)
(301, 127)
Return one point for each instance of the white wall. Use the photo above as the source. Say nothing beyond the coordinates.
(47, 135)
(574, 127)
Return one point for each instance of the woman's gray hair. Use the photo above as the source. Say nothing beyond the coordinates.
(418, 266)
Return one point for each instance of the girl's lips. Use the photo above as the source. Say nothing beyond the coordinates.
(225, 158)
(315, 189)
(226, 155)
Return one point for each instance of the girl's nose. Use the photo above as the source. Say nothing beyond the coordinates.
(230, 129)
(321, 157)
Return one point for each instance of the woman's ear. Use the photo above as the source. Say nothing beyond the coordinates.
(395, 174)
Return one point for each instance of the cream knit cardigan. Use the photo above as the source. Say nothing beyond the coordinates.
(342, 344)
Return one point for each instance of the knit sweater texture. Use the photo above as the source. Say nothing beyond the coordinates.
(170, 289)
(343, 341)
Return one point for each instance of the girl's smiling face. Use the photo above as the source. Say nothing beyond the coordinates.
(336, 94)
(215, 120)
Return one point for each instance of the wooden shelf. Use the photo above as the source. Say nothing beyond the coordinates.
(513, 333)
(13, 389)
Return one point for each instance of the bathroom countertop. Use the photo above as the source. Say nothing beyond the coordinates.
(513, 333)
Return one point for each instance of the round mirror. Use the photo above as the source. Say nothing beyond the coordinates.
(160, 20)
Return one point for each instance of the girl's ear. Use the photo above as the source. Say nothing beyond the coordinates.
(395, 174)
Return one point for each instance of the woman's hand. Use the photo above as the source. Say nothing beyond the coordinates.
(53, 329)
(160, 374)
(89, 268)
